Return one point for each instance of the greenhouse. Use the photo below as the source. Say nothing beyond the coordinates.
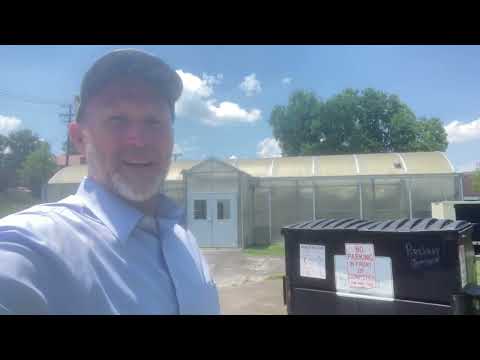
(241, 202)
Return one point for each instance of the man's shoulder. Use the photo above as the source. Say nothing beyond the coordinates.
(39, 218)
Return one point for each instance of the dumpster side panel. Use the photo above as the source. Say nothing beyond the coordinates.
(318, 302)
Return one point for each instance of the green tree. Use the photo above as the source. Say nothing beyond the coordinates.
(21, 144)
(292, 125)
(353, 122)
(37, 169)
(431, 135)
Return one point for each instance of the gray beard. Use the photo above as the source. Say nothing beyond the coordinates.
(124, 189)
(117, 183)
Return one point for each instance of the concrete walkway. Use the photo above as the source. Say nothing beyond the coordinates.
(247, 285)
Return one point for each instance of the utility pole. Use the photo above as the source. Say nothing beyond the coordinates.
(176, 155)
(69, 118)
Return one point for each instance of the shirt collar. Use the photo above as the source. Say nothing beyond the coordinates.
(120, 217)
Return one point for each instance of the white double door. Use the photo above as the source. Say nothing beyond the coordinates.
(213, 219)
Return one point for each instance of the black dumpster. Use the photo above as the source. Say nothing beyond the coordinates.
(404, 266)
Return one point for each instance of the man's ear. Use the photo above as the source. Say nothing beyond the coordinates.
(75, 132)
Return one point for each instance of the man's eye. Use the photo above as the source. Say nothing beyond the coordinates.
(117, 120)
(153, 122)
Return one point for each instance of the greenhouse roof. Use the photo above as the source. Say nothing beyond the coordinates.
(307, 166)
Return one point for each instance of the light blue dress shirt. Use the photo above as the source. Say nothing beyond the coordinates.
(92, 253)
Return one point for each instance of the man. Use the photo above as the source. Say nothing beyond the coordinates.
(117, 246)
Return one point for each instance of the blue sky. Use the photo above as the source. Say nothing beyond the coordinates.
(230, 90)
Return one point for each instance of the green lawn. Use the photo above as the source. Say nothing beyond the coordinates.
(276, 249)
(13, 201)
(477, 264)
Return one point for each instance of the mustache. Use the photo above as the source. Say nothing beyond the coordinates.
(136, 152)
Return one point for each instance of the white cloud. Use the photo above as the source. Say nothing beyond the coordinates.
(9, 124)
(268, 147)
(197, 102)
(187, 147)
(230, 112)
(287, 81)
(177, 149)
(250, 85)
(463, 132)
(233, 157)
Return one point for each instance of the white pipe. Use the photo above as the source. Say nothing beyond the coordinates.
(357, 166)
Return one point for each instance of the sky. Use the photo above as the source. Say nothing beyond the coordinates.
(229, 91)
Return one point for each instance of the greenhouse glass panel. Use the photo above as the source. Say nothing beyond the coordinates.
(284, 209)
(432, 189)
(337, 199)
(385, 199)
(261, 232)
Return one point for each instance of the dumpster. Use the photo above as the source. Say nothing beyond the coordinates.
(403, 266)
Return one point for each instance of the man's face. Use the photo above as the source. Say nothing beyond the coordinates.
(128, 138)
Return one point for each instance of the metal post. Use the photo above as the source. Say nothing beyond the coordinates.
(359, 185)
(270, 213)
(240, 196)
(410, 205)
(69, 117)
(461, 187)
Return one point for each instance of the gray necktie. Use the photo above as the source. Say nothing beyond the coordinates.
(149, 224)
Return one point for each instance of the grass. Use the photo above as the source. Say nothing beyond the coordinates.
(276, 249)
(12, 201)
(477, 265)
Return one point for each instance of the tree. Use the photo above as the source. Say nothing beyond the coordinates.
(353, 122)
(431, 135)
(22, 143)
(292, 125)
(38, 167)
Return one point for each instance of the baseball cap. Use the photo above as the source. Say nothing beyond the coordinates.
(130, 63)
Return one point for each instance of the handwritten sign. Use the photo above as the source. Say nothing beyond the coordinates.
(312, 261)
(360, 265)
(421, 256)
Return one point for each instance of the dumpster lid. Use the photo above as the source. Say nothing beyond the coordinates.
(330, 224)
(418, 225)
(398, 225)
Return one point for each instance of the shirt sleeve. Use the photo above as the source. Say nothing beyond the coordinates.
(22, 276)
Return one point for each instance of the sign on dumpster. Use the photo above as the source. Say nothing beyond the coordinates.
(360, 265)
(312, 261)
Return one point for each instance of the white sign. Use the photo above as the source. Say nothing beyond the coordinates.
(360, 265)
(312, 261)
(463, 267)
(383, 279)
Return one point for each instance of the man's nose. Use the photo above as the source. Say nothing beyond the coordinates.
(136, 135)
